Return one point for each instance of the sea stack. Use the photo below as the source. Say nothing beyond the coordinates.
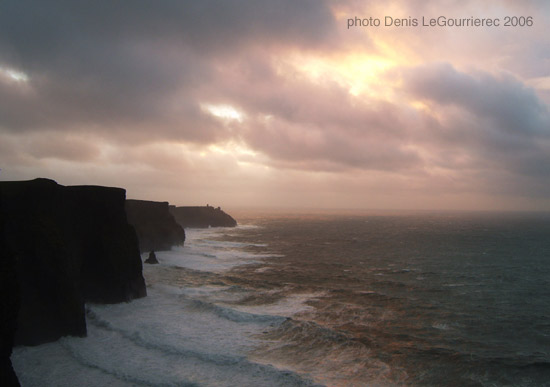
(152, 258)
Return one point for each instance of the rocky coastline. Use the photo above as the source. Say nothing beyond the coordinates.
(202, 217)
(155, 226)
(64, 246)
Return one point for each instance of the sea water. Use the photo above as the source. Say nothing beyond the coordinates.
(382, 300)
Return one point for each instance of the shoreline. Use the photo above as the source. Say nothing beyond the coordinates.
(187, 320)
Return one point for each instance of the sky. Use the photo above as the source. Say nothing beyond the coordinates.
(280, 104)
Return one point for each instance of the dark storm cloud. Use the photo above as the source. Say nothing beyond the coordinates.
(507, 102)
(124, 63)
(40, 27)
(495, 122)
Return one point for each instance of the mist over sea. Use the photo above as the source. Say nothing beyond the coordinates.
(338, 300)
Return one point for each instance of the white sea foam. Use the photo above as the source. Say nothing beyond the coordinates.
(289, 306)
(165, 339)
(441, 326)
(176, 336)
(202, 251)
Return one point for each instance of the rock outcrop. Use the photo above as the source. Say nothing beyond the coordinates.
(155, 226)
(71, 245)
(152, 258)
(202, 217)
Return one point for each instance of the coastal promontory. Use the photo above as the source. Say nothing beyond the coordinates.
(202, 217)
(155, 226)
(67, 246)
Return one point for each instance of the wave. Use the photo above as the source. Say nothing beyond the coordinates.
(330, 356)
(135, 337)
(121, 374)
(160, 364)
(234, 315)
(165, 339)
(537, 364)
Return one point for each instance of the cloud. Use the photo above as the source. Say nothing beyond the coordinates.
(63, 147)
(313, 124)
(494, 125)
(127, 94)
(505, 101)
(133, 66)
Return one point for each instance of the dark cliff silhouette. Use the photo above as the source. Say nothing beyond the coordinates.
(155, 226)
(71, 245)
(9, 306)
(202, 217)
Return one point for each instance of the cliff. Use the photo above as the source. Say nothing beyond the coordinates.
(155, 226)
(9, 305)
(71, 245)
(202, 217)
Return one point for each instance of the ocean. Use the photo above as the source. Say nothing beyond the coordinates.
(419, 299)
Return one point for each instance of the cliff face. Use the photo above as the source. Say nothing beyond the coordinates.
(71, 245)
(202, 217)
(9, 305)
(155, 226)
(111, 271)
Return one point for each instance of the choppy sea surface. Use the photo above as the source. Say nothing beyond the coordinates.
(336, 300)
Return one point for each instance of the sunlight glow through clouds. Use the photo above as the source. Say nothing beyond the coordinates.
(13, 75)
(238, 153)
(360, 73)
(233, 149)
(271, 105)
(227, 112)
